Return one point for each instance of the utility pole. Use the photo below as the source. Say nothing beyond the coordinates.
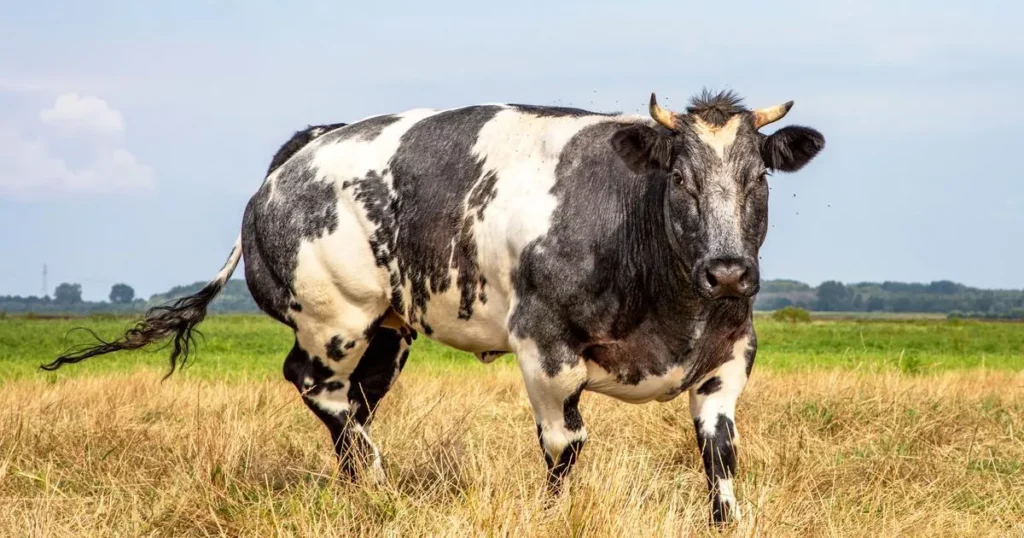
(45, 289)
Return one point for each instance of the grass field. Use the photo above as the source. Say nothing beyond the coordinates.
(849, 428)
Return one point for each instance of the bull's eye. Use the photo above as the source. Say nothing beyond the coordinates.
(759, 181)
(689, 186)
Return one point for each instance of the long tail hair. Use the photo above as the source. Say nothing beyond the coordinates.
(177, 318)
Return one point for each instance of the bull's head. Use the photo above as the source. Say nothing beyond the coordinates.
(717, 163)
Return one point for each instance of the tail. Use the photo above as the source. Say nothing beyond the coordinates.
(177, 319)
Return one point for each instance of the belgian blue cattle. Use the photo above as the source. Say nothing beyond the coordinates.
(610, 253)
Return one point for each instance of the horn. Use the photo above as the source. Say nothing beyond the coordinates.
(661, 115)
(764, 116)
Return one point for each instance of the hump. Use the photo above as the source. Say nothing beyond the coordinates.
(298, 141)
(545, 111)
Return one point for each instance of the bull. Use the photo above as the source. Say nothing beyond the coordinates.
(610, 253)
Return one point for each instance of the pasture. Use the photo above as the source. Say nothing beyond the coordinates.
(847, 428)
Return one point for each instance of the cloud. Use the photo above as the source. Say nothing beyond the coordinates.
(31, 169)
(72, 114)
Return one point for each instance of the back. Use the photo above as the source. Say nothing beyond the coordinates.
(447, 200)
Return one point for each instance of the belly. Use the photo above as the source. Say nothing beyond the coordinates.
(479, 330)
(663, 387)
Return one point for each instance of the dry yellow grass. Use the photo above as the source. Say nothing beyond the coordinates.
(822, 454)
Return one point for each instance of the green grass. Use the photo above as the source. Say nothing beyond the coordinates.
(907, 345)
(230, 346)
(252, 346)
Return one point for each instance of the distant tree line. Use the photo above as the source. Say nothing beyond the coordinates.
(67, 299)
(234, 297)
(943, 296)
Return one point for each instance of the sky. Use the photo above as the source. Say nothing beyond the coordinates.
(132, 134)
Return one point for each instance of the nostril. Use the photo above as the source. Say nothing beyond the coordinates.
(744, 279)
(712, 281)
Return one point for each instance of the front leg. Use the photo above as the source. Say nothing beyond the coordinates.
(554, 379)
(713, 408)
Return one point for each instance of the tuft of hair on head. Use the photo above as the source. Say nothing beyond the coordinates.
(716, 107)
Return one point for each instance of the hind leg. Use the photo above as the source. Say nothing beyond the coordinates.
(344, 383)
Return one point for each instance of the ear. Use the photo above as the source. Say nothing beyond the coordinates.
(790, 148)
(643, 148)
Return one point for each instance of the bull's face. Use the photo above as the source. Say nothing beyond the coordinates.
(717, 164)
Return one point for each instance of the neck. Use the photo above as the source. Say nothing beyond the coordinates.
(651, 275)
